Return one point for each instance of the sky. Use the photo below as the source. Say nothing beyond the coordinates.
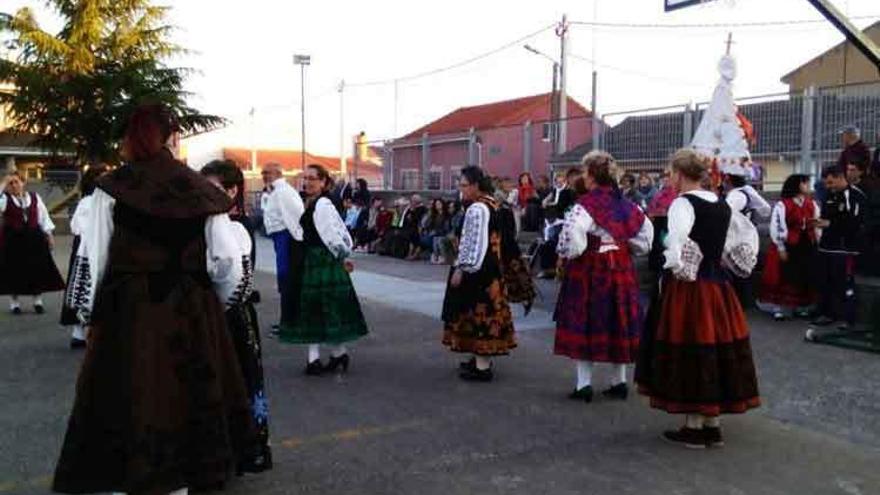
(243, 52)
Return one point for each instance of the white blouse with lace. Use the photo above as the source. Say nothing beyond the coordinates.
(331, 229)
(681, 217)
(474, 238)
(579, 224)
(779, 227)
(228, 254)
(43, 218)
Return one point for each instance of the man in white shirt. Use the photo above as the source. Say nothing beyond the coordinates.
(282, 210)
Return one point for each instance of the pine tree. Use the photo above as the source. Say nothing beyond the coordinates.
(75, 89)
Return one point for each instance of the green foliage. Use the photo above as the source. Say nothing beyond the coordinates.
(75, 89)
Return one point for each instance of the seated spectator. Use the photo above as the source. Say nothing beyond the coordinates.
(404, 232)
(369, 232)
(556, 205)
(434, 224)
(446, 247)
(352, 212)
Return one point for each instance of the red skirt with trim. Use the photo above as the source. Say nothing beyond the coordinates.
(696, 356)
(787, 284)
(598, 315)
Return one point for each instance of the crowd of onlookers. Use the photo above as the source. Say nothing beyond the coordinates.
(418, 228)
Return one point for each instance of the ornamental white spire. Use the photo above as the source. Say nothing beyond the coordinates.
(720, 135)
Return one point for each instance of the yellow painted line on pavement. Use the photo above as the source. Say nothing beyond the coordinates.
(290, 443)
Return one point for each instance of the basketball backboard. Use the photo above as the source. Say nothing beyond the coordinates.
(670, 5)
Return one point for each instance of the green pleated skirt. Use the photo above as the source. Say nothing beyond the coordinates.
(328, 309)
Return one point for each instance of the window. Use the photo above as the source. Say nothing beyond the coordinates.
(454, 178)
(548, 131)
(435, 179)
(409, 179)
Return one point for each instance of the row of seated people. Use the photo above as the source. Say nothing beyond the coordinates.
(410, 229)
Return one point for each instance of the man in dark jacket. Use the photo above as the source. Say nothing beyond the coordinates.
(841, 223)
(855, 151)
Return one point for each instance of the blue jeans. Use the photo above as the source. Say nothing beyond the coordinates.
(283, 243)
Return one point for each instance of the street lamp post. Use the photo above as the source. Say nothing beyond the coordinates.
(554, 99)
(302, 61)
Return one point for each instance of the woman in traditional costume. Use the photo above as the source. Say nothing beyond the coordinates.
(26, 264)
(69, 316)
(241, 315)
(476, 315)
(329, 311)
(696, 357)
(160, 403)
(598, 314)
(787, 282)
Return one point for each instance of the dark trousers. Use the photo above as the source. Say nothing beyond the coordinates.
(283, 243)
(837, 286)
(547, 254)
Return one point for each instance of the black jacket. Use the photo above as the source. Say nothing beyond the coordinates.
(846, 211)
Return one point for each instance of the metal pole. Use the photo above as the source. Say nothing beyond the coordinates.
(253, 142)
(856, 37)
(343, 165)
(562, 32)
(554, 112)
(594, 126)
(303, 114)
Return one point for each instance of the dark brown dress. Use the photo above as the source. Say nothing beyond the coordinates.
(160, 401)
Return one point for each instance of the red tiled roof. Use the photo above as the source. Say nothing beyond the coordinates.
(291, 160)
(503, 113)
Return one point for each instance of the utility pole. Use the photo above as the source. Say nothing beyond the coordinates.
(343, 165)
(396, 84)
(303, 61)
(594, 97)
(253, 140)
(562, 32)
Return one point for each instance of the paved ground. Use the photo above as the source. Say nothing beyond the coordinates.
(401, 422)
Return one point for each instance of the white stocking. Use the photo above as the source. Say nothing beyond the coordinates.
(619, 374)
(13, 302)
(584, 374)
(38, 300)
(78, 333)
(483, 363)
(712, 421)
(694, 421)
(314, 352)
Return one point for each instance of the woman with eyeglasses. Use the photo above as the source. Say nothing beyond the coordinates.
(476, 314)
(329, 311)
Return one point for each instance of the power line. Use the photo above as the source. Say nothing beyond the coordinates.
(455, 65)
(725, 25)
(638, 73)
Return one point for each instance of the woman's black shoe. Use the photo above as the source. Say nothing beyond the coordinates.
(256, 464)
(476, 375)
(16, 310)
(619, 391)
(335, 362)
(585, 394)
(39, 309)
(315, 368)
(77, 344)
(469, 364)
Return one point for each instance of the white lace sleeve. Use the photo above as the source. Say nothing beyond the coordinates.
(759, 204)
(778, 227)
(292, 209)
(43, 218)
(573, 238)
(681, 220)
(474, 238)
(640, 245)
(96, 229)
(81, 215)
(227, 250)
(331, 229)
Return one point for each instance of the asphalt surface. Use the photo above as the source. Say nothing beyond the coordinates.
(401, 422)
